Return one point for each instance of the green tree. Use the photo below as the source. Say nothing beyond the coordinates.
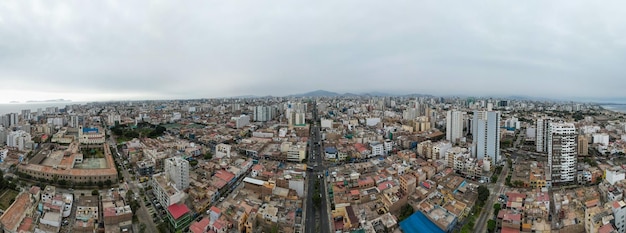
(405, 212)
(496, 208)
(193, 163)
(491, 225)
(483, 195)
(95, 192)
(208, 156)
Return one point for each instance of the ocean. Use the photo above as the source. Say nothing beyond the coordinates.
(18, 107)
(616, 107)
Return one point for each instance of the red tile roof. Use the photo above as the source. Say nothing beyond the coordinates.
(199, 227)
(177, 210)
(26, 224)
(509, 230)
(608, 228)
(216, 210)
(385, 185)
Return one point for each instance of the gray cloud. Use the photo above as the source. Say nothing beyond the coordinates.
(195, 49)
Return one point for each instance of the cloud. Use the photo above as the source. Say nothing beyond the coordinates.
(196, 49)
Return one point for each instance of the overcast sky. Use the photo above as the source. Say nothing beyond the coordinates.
(106, 50)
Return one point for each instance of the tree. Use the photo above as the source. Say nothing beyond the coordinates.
(95, 192)
(208, 156)
(483, 195)
(405, 212)
(491, 225)
(193, 163)
(108, 183)
(496, 208)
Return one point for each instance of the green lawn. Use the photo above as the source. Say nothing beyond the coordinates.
(7, 197)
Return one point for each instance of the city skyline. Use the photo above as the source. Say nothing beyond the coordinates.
(566, 50)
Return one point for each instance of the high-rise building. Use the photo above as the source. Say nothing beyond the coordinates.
(542, 137)
(562, 152)
(486, 135)
(263, 113)
(26, 114)
(12, 119)
(583, 145)
(454, 126)
(177, 171)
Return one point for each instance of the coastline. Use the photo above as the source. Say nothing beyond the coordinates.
(7, 108)
(617, 108)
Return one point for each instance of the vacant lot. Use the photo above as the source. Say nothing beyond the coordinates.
(7, 197)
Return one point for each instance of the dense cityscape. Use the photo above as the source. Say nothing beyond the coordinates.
(314, 164)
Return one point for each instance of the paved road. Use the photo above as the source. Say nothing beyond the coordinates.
(495, 190)
(142, 214)
(317, 218)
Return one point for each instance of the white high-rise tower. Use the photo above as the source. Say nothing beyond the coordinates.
(486, 135)
(177, 171)
(454, 126)
(562, 151)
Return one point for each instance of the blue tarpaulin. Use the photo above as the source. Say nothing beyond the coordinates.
(419, 223)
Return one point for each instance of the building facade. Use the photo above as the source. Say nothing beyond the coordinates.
(454, 126)
(177, 170)
(562, 152)
(486, 133)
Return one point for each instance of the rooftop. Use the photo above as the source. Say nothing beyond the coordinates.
(177, 210)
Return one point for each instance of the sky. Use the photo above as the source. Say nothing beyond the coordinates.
(131, 50)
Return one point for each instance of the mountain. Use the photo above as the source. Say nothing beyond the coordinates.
(317, 93)
(49, 101)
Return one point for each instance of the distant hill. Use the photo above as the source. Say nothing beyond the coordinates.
(49, 101)
(317, 93)
(324, 93)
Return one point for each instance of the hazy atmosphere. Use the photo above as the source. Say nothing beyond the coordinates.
(111, 50)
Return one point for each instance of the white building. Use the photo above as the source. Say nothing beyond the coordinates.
(241, 121)
(18, 139)
(562, 153)
(512, 123)
(614, 175)
(388, 144)
(372, 121)
(222, 150)
(263, 113)
(440, 149)
(601, 138)
(377, 148)
(454, 126)
(486, 133)
(177, 171)
(541, 138)
(326, 123)
(165, 193)
(176, 116)
(619, 213)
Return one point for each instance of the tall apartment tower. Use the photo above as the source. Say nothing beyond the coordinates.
(562, 153)
(13, 120)
(454, 126)
(542, 137)
(486, 133)
(263, 113)
(177, 171)
(583, 145)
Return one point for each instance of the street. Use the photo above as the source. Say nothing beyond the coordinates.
(142, 213)
(494, 192)
(317, 218)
